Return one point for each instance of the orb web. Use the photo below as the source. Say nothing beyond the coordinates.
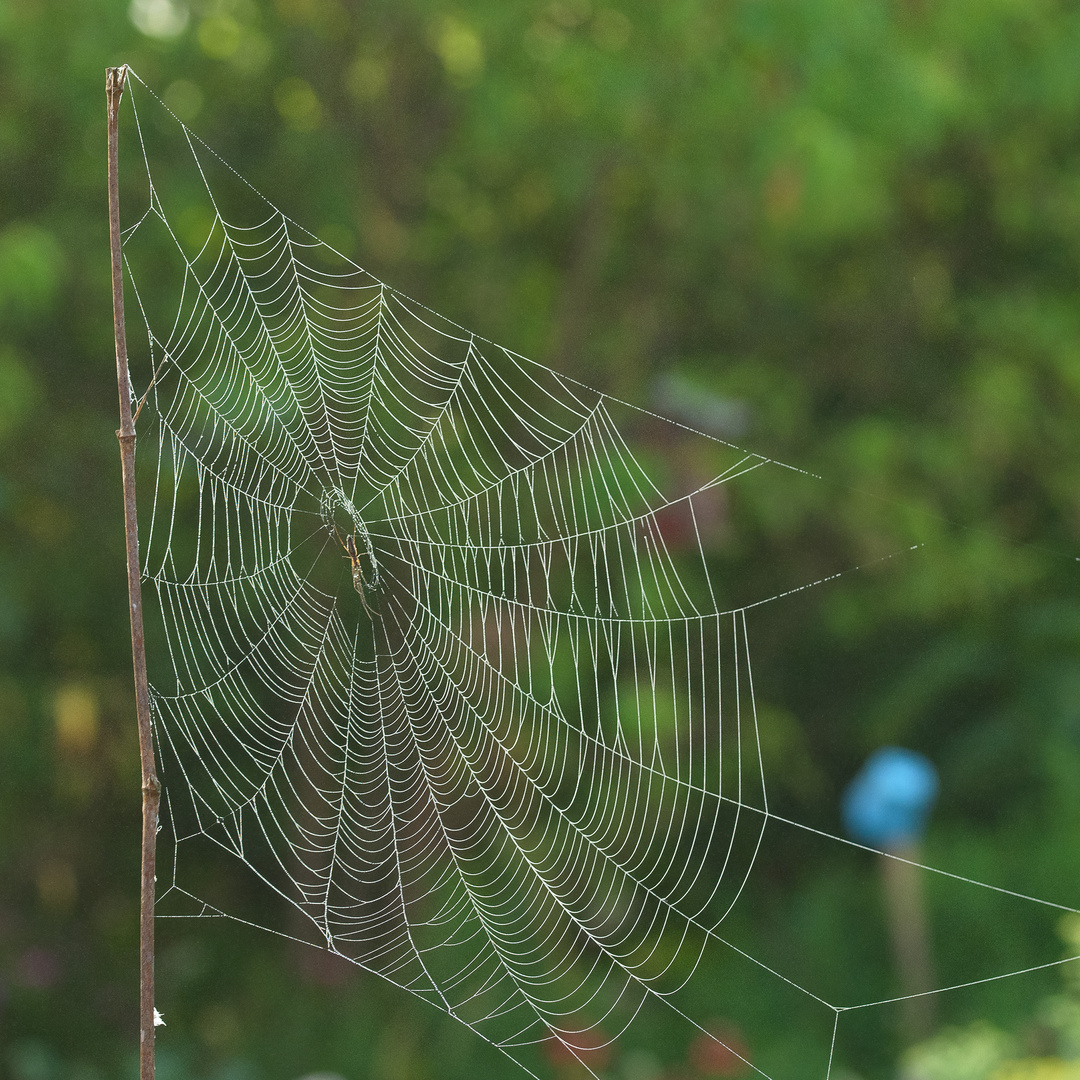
(436, 650)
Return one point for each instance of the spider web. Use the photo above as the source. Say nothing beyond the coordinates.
(504, 752)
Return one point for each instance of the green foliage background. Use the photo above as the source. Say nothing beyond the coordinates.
(857, 219)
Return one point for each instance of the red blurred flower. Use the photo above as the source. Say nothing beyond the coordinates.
(721, 1052)
(38, 968)
(568, 1051)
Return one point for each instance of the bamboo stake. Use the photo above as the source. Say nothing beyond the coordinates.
(906, 909)
(151, 790)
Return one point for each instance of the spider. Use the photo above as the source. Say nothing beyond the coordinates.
(349, 544)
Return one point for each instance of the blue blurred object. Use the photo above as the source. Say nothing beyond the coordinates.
(889, 800)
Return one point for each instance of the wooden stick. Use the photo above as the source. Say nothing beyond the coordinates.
(906, 910)
(151, 790)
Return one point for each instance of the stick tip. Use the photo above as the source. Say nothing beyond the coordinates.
(115, 77)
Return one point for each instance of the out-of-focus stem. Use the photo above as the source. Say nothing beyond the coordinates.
(906, 912)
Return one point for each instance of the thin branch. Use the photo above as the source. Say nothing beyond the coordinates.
(142, 400)
(151, 790)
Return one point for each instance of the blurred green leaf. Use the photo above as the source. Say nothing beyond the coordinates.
(31, 263)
